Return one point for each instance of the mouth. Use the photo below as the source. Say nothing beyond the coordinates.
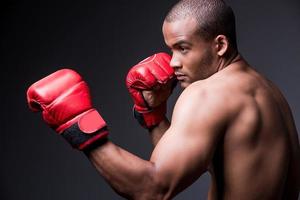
(179, 76)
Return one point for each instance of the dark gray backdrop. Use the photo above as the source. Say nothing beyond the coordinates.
(102, 41)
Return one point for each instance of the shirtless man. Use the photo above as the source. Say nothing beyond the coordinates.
(229, 120)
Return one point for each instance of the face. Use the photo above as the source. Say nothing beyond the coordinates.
(193, 58)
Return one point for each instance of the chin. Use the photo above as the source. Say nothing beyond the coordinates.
(184, 84)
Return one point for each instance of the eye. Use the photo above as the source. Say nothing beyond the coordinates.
(182, 49)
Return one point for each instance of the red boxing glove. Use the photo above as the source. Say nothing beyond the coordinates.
(64, 99)
(150, 73)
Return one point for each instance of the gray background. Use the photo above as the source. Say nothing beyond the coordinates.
(102, 41)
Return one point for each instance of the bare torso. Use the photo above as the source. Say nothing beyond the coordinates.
(258, 156)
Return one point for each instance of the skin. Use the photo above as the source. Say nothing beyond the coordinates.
(229, 121)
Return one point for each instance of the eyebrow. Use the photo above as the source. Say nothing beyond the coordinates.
(180, 42)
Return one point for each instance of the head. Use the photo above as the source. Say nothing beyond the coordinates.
(201, 36)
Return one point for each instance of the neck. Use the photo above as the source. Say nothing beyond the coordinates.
(226, 61)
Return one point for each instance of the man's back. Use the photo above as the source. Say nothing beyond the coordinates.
(258, 156)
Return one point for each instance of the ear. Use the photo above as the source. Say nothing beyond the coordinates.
(221, 44)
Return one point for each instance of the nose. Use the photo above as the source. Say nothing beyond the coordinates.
(175, 62)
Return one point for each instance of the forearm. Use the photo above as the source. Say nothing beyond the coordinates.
(129, 175)
(157, 132)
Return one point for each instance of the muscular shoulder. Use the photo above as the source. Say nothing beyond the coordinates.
(204, 92)
(218, 93)
(202, 104)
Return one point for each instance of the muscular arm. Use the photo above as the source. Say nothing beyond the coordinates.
(129, 175)
(157, 132)
(154, 98)
(180, 157)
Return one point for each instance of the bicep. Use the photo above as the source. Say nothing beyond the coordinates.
(185, 151)
(179, 160)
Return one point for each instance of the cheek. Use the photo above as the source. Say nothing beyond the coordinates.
(194, 64)
(199, 64)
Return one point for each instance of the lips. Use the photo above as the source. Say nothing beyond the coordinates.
(179, 76)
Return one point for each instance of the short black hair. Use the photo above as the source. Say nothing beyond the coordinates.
(214, 17)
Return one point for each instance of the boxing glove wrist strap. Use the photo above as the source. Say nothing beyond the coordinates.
(86, 131)
(151, 118)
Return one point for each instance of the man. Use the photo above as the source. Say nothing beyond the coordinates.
(229, 120)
